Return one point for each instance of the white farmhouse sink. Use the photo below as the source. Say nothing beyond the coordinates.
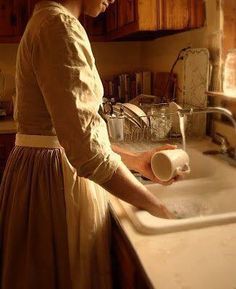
(206, 197)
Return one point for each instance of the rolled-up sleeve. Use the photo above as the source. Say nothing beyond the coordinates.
(66, 73)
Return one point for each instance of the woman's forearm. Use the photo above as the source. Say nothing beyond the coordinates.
(126, 187)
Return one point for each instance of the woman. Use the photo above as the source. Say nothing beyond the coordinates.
(53, 206)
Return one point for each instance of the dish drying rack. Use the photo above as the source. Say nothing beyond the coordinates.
(153, 123)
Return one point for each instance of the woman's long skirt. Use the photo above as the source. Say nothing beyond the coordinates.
(54, 225)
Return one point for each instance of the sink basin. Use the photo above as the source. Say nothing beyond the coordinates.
(206, 197)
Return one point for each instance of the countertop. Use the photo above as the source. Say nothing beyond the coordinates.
(7, 125)
(195, 259)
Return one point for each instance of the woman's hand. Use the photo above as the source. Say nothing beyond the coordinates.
(161, 212)
(143, 163)
(127, 188)
(158, 209)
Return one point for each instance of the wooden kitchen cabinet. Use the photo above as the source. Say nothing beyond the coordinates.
(13, 18)
(180, 14)
(126, 12)
(7, 142)
(138, 19)
(127, 270)
(132, 16)
(112, 18)
(125, 19)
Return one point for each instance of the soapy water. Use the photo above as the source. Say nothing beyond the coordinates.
(186, 208)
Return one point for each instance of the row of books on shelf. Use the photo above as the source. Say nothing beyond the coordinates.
(126, 86)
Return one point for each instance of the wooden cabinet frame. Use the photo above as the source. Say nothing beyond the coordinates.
(17, 15)
(125, 19)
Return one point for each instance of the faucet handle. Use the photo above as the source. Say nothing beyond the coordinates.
(232, 153)
(222, 141)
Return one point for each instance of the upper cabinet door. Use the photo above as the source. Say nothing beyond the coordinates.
(22, 15)
(180, 14)
(133, 16)
(175, 14)
(197, 13)
(126, 12)
(125, 19)
(8, 18)
(112, 17)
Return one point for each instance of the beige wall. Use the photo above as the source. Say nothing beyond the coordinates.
(117, 57)
(112, 58)
(8, 57)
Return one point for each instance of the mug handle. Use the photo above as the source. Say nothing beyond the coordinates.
(180, 170)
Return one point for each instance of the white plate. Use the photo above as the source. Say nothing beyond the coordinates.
(134, 113)
(139, 114)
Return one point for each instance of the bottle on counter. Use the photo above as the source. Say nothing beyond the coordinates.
(116, 126)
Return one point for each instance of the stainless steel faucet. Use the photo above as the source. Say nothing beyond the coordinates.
(214, 109)
(210, 109)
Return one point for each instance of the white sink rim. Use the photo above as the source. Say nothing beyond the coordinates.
(148, 224)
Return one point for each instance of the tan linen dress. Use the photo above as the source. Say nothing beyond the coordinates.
(54, 222)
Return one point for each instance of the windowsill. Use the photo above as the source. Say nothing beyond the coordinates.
(220, 99)
(221, 95)
(220, 123)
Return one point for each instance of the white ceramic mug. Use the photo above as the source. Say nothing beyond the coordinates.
(167, 164)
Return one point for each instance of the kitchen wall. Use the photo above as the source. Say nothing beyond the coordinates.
(8, 57)
(117, 57)
(112, 58)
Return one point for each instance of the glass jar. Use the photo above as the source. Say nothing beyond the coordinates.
(229, 83)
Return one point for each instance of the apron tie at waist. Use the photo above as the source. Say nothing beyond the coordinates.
(37, 141)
